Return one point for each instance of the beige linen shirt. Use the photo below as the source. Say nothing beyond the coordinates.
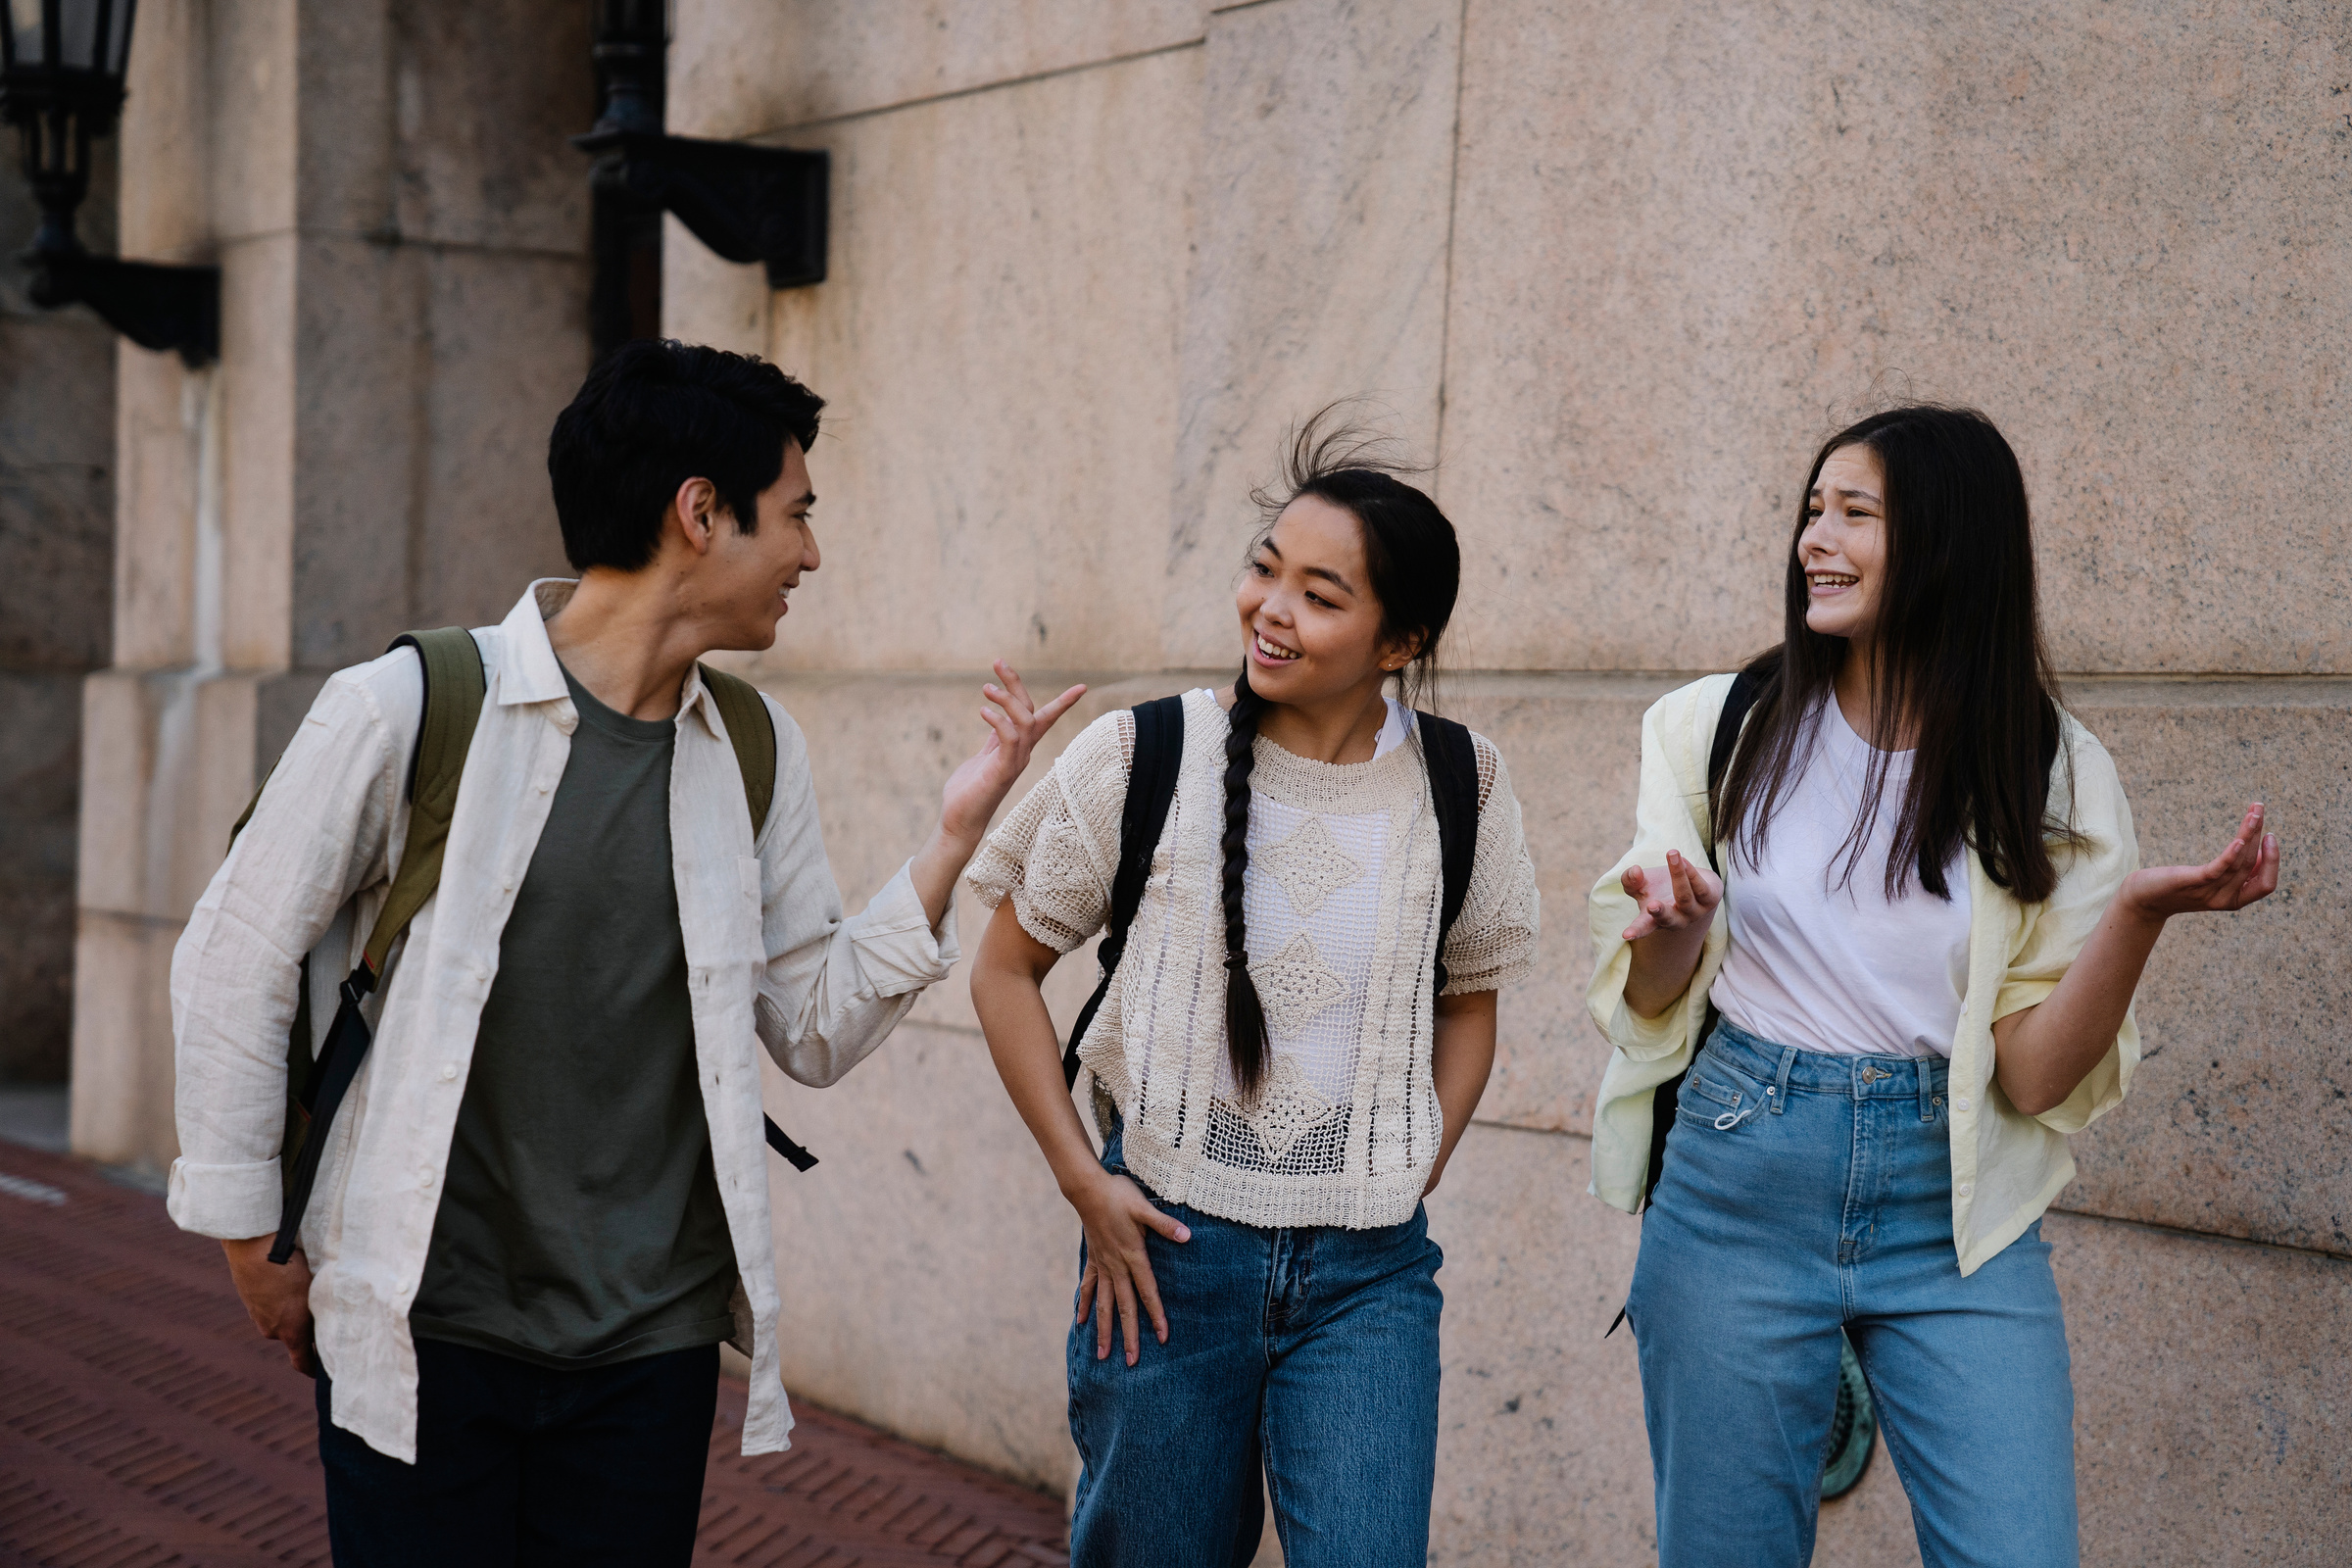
(770, 958)
(2006, 1166)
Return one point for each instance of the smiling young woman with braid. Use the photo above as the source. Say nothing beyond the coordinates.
(1285, 1095)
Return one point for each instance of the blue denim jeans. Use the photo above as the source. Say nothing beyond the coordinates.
(1803, 1193)
(1311, 1352)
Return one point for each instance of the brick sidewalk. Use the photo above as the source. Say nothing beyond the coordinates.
(142, 1424)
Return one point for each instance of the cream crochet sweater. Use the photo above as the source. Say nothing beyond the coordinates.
(1341, 899)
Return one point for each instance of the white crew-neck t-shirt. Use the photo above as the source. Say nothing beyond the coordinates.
(1822, 960)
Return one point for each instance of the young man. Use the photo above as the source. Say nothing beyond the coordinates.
(543, 1203)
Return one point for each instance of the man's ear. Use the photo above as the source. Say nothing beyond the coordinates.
(695, 512)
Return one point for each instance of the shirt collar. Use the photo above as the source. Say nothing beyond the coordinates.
(531, 673)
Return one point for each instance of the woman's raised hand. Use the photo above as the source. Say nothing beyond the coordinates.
(2244, 873)
(1682, 899)
(1016, 724)
(1117, 1281)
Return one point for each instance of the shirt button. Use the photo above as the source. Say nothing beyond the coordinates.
(543, 789)
(424, 1175)
(449, 1070)
(1966, 1188)
(1960, 1105)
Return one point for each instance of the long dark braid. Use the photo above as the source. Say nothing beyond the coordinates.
(1415, 566)
(1245, 1015)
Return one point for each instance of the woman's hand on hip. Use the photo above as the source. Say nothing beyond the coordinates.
(1119, 1269)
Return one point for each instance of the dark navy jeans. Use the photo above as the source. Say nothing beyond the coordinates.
(520, 1465)
(1805, 1193)
(1309, 1351)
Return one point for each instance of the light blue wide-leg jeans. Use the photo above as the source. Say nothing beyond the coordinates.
(1805, 1193)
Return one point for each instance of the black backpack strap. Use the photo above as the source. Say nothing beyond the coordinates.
(455, 687)
(1728, 724)
(1151, 791)
(1451, 759)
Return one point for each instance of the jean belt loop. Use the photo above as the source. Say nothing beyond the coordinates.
(1927, 1087)
(1779, 1089)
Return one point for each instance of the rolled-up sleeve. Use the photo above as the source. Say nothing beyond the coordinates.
(832, 987)
(1493, 942)
(1667, 813)
(319, 835)
(1058, 849)
(2052, 934)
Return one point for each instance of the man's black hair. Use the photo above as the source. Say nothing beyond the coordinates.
(652, 415)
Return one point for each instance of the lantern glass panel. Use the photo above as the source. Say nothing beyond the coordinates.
(77, 33)
(24, 31)
(118, 50)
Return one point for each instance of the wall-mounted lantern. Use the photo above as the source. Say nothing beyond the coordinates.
(61, 85)
(747, 203)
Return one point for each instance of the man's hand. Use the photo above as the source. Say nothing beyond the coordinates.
(276, 1297)
(975, 790)
(1016, 724)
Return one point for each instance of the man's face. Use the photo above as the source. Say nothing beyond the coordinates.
(747, 578)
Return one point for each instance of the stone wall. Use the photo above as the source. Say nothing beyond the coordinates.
(57, 539)
(1619, 269)
(403, 234)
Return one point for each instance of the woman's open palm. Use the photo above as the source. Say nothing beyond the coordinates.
(2244, 873)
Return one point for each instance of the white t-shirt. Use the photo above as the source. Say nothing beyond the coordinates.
(1839, 968)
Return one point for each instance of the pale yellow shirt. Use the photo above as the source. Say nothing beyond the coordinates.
(2006, 1166)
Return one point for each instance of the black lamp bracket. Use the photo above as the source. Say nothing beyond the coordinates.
(747, 203)
(153, 304)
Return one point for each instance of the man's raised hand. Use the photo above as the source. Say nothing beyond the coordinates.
(1016, 724)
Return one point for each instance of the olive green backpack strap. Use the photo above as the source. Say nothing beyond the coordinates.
(751, 730)
(454, 689)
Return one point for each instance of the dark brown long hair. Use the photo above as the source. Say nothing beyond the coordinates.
(1961, 661)
(1415, 565)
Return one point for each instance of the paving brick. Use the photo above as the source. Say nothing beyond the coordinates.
(146, 1426)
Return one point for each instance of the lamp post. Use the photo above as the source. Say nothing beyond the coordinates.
(747, 203)
(61, 85)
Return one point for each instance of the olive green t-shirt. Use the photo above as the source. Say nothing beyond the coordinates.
(580, 1222)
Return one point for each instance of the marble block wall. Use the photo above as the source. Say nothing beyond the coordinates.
(57, 482)
(1617, 269)
(403, 309)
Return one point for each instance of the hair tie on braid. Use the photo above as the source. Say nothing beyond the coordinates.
(1245, 1015)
